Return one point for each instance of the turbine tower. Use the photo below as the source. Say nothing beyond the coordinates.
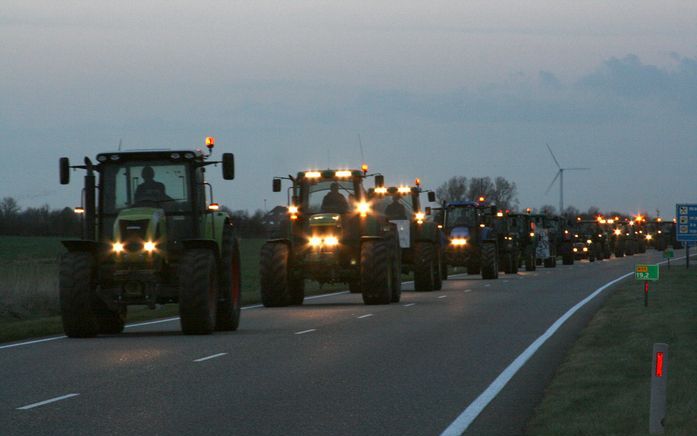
(560, 176)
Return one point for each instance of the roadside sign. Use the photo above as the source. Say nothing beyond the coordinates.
(646, 272)
(668, 254)
(686, 225)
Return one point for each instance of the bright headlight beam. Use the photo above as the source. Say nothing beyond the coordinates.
(343, 173)
(117, 247)
(149, 246)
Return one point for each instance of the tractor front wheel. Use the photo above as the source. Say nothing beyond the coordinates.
(423, 267)
(198, 292)
(229, 303)
(274, 274)
(490, 268)
(376, 272)
(77, 295)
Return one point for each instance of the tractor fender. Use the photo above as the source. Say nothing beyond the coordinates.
(204, 244)
(83, 246)
(279, 240)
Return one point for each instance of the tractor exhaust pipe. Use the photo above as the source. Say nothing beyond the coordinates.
(90, 202)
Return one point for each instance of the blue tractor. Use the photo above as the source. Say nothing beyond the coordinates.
(471, 238)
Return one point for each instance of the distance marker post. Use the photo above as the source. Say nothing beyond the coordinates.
(646, 273)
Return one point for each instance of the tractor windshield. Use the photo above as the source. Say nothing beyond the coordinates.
(395, 206)
(145, 184)
(461, 217)
(331, 196)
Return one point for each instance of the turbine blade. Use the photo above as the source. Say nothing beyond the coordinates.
(572, 169)
(553, 156)
(553, 180)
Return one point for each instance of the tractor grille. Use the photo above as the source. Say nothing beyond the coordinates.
(133, 234)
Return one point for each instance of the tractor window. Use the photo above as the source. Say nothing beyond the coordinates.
(395, 207)
(145, 184)
(331, 196)
(461, 217)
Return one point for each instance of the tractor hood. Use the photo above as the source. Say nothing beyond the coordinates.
(460, 232)
(325, 219)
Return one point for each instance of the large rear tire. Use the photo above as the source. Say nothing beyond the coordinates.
(376, 271)
(530, 261)
(109, 322)
(274, 274)
(490, 268)
(423, 267)
(198, 292)
(437, 265)
(396, 275)
(230, 294)
(77, 295)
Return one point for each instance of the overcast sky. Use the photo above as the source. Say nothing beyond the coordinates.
(435, 89)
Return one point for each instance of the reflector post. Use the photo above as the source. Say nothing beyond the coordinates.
(659, 376)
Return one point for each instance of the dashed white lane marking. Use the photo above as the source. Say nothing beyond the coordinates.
(441, 296)
(52, 400)
(210, 357)
(408, 304)
(365, 316)
(305, 331)
(487, 285)
(467, 290)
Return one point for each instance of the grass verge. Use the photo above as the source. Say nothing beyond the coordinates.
(603, 386)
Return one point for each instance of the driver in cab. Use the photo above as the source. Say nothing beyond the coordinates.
(150, 190)
(334, 202)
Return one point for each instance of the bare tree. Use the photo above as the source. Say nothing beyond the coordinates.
(453, 190)
(548, 210)
(480, 186)
(505, 194)
(9, 207)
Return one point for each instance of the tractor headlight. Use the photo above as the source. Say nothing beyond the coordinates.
(459, 241)
(149, 246)
(588, 241)
(315, 241)
(363, 208)
(420, 216)
(575, 250)
(532, 234)
(331, 241)
(618, 232)
(117, 247)
(649, 237)
(585, 249)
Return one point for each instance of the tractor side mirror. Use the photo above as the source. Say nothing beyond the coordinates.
(379, 181)
(64, 164)
(428, 210)
(276, 185)
(228, 166)
(431, 196)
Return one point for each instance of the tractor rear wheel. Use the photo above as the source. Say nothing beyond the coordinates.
(198, 291)
(490, 268)
(274, 274)
(229, 302)
(376, 271)
(515, 262)
(77, 295)
(437, 273)
(396, 276)
(423, 267)
(530, 261)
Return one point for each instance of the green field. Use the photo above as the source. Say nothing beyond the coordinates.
(603, 387)
(29, 286)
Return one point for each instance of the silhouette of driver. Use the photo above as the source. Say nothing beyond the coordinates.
(396, 210)
(334, 202)
(150, 190)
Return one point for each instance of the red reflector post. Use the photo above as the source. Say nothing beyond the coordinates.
(659, 364)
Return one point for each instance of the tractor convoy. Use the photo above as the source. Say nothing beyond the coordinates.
(152, 234)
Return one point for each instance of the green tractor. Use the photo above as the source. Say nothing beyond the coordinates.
(332, 235)
(419, 238)
(150, 237)
(522, 228)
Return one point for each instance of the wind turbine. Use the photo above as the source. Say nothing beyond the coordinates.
(560, 176)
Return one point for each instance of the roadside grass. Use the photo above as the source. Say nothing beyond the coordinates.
(603, 386)
(29, 305)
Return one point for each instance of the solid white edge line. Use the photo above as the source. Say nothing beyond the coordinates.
(441, 296)
(36, 341)
(302, 332)
(465, 419)
(408, 304)
(210, 357)
(52, 400)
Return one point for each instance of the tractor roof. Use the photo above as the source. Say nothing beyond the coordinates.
(150, 154)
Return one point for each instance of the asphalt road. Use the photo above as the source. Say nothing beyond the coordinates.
(332, 366)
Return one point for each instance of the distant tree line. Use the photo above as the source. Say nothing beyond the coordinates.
(499, 191)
